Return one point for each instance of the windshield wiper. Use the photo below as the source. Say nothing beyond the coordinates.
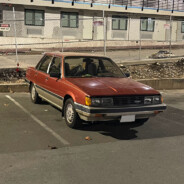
(106, 76)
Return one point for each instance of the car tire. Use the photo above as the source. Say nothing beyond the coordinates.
(71, 117)
(34, 95)
(141, 120)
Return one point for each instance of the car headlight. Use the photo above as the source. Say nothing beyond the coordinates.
(96, 101)
(99, 101)
(156, 100)
(152, 100)
(148, 100)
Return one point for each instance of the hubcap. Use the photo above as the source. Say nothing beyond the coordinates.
(33, 93)
(69, 113)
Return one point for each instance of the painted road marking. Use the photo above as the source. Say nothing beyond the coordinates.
(43, 125)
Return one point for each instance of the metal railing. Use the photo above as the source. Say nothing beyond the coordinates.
(171, 5)
(167, 5)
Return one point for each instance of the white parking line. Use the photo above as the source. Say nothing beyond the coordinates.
(58, 137)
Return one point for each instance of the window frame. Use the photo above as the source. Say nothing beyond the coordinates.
(120, 17)
(146, 18)
(34, 20)
(69, 14)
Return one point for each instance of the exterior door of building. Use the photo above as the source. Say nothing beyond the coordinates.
(87, 27)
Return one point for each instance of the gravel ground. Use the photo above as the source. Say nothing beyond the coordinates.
(137, 71)
(12, 75)
(156, 70)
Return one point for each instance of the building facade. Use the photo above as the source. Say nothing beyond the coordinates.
(81, 23)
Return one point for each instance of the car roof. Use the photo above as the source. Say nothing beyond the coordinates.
(64, 54)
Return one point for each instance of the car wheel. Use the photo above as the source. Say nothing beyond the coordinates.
(34, 95)
(141, 120)
(71, 117)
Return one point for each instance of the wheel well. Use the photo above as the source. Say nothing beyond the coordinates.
(65, 99)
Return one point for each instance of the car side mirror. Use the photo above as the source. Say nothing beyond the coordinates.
(55, 74)
(127, 75)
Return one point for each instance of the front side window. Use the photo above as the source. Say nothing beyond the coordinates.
(69, 20)
(55, 66)
(34, 17)
(119, 23)
(44, 63)
(182, 27)
(147, 24)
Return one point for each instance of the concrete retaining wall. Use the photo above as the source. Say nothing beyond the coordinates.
(6, 88)
(161, 84)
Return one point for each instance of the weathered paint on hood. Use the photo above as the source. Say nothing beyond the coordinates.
(111, 86)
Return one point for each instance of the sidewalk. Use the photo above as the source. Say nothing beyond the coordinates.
(9, 61)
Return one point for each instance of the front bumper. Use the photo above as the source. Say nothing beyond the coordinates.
(114, 113)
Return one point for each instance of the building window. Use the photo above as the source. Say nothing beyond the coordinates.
(147, 24)
(34, 17)
(182, 27)
(1, 16)
(119, 23)
(69, 20)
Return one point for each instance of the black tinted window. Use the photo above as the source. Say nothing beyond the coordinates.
(44, 63)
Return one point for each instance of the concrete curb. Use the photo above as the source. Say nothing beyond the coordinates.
(159, 84)
(15, 87)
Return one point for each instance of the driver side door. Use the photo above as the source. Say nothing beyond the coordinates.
(55, 84)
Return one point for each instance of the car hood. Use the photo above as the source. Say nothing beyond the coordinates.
(111, 86)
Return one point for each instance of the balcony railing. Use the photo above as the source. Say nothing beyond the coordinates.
(168, 5)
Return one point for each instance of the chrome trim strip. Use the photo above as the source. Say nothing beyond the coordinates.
(147, 113)
(51, 93)
(51, 102)
(101, 110)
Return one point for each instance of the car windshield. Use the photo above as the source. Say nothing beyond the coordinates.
(91, 67)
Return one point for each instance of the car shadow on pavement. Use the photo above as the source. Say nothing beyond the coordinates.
(167, 124)
(121, 131)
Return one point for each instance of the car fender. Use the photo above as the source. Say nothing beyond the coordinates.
(69, 93)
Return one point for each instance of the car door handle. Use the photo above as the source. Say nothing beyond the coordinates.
(46, 78)
(35, 74)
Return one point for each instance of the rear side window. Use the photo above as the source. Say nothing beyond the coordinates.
(44, 63)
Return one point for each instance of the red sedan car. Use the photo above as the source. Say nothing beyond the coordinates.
(91, 88)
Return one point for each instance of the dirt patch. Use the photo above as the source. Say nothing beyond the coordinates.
(156, 70)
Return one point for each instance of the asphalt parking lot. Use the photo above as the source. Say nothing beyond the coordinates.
(25, 126)
(37, 147)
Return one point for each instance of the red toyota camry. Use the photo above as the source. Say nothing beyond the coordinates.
(91, 88)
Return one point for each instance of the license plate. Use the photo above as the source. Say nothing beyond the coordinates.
(127, 118)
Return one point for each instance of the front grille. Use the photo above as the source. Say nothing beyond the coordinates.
(128, 100)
